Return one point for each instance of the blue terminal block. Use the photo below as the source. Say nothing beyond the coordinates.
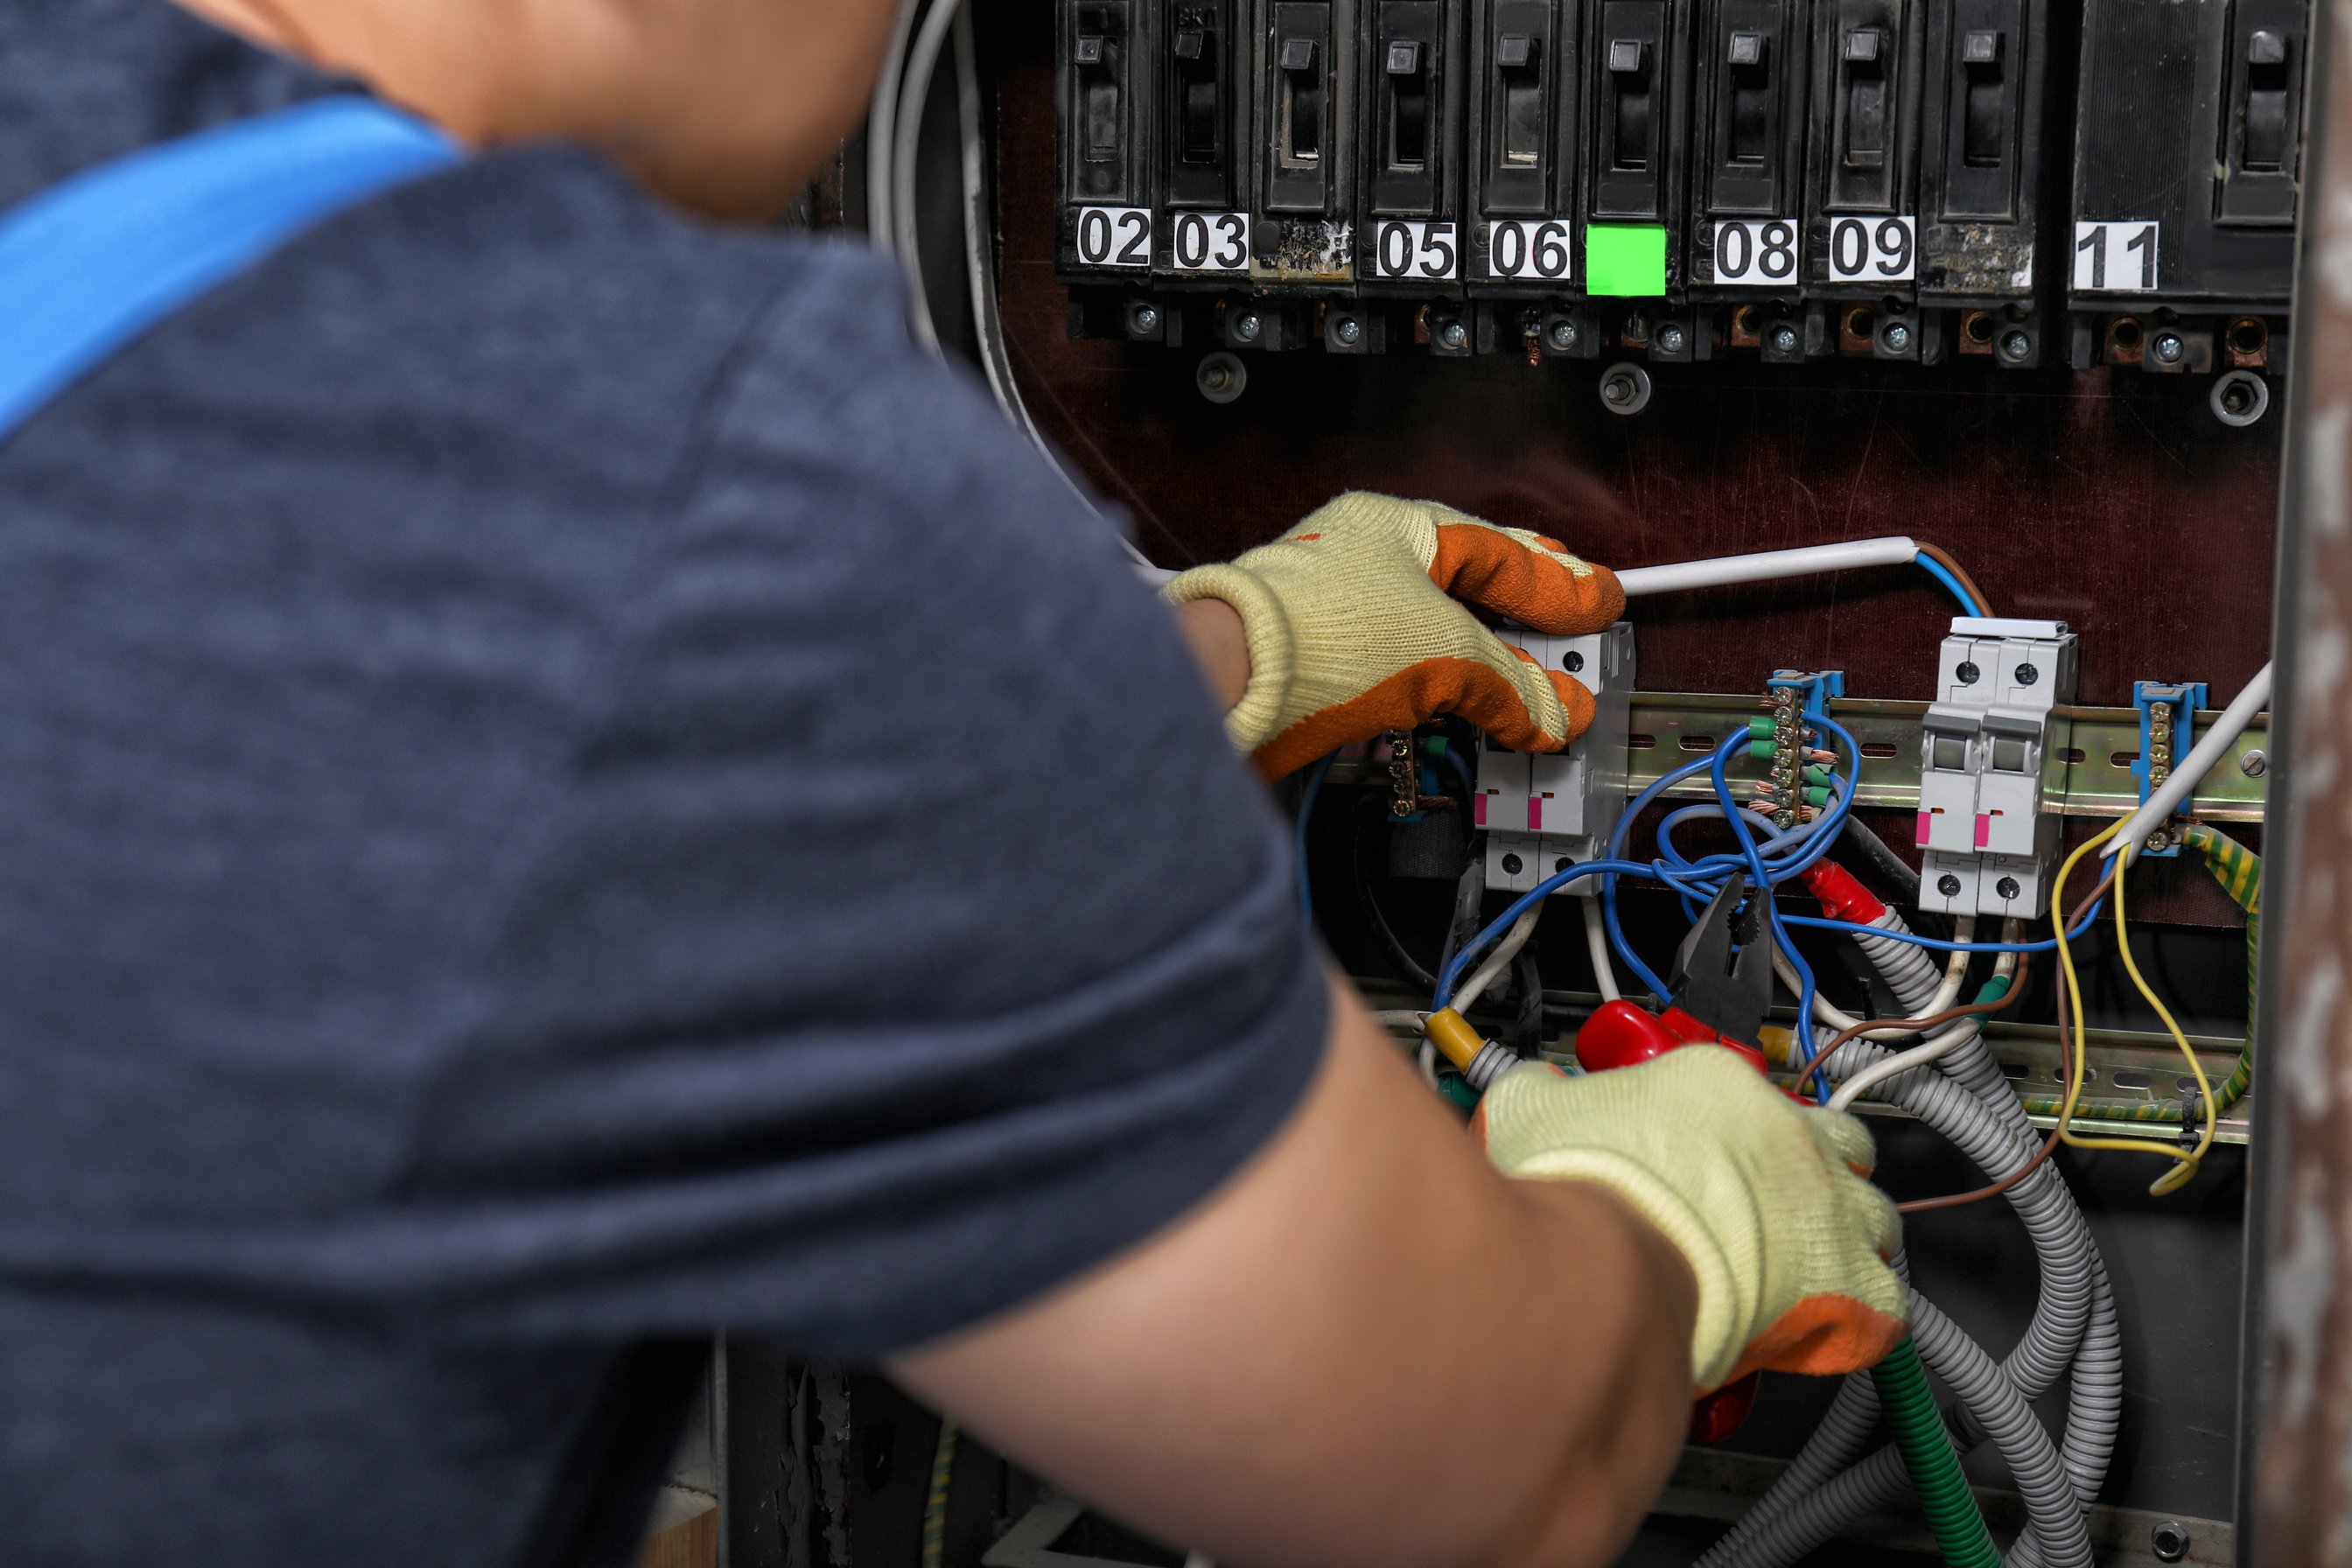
(1816, 690)
(2167, 729)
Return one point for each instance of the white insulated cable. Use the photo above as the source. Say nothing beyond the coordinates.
(1466, 996)
(1596, 943)
(1772, 566)
(881, 129)
(914, 95)
(1956, 974)
(1950, 1039)
(2202, 759)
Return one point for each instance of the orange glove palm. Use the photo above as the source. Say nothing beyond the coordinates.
(1357, 625)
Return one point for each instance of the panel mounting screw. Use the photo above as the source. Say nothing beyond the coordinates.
(1454, 336)
(2016, 345)
(1949, 887)
(2241, 398)
(1625, 389)
(2254, 765)
(1784, 339)
(2167, 348)
(1968, 674)
(2028, 674)
(1563, 336)
(1244, 328)
(1513, 864)
(2169, 1541)
(1348, 331)
(1897, 337)
(1222, 378)
(1670, 338)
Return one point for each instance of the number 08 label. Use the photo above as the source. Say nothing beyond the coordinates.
(1756, 253)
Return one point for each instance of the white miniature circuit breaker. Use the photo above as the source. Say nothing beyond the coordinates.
(1544, 814)
(1989, 745)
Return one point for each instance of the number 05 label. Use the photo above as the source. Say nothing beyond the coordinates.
(2115, 257)
(1755, 253)
(1115, 237)
(1431, 250)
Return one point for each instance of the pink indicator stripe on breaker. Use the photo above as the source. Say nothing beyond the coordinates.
(1480, 808)
(1984, 830)
(1534, 813)
(1926, 827)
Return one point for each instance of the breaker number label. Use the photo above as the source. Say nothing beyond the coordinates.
(1874, 250)
(2115, 257)
(1533, 250)
(1115, 237)
(1212, 242)
(1755, 253)
(1431, 250)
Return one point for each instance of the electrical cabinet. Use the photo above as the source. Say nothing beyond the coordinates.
(2188, 156)
(2005, 183)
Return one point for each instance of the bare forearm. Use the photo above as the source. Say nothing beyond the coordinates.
(1214, 630)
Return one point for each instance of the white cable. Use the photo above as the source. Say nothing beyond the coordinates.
(1466, 996)
(1596, 943)
(881, 129)
(2202, 759)
(1772, 566)
(914, 97)
(1402, 1019)
(1956, 1035)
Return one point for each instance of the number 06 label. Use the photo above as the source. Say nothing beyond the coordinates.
(1533, 250)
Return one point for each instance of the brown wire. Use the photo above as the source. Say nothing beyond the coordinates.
(2066, 1072)
(1943, 558)
(1918, 1026)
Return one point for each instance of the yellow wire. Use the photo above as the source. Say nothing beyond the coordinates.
(2184, 1165)
(2173, 1181)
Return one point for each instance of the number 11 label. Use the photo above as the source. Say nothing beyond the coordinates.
(2115, 257)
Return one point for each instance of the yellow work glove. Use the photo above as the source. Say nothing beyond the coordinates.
(1768, 1199)
(1355, 629)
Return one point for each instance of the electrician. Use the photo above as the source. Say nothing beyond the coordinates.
(569, 789)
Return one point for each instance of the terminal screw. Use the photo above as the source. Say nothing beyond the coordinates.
(1563, 335)
(2167, 348)
(1454, 336)
(1670, 338)
(1143, 320)
(1784, 339)
(1348, 331)
(1244, 328)
(1513, 864)
(2007, 888)
(2028, 674)
(2016, 345)
(1949, 887)
(2169, 1542)
(1969, 674)
(1897, 337)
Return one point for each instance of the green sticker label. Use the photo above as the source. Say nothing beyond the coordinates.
(1625, 259)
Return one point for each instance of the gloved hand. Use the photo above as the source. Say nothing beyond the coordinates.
(1354, 628)
(1768, 1199)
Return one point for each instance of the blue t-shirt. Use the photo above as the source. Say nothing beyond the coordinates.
(564, 789)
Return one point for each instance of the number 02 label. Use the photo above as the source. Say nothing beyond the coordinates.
(1212, 242)
(2115, 257)
(1115, 237)
(1755, 253)
(1431, 250)
(1874, 250)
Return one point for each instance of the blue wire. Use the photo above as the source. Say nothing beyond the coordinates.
(1718, 766)
(1916, 940)
(1306, 814)
(1461, 960)
(1460, 765)
(1934, 569)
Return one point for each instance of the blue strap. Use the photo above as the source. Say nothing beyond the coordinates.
(89, 266)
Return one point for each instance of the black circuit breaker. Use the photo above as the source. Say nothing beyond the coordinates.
(1412, 77)
(1206, 117)
(1988, 230)
(2188, 151)
(1523, 138)
(1634, 167)
(1108, 65)
(1747, 146)
(1303, 76)
(1862, 226)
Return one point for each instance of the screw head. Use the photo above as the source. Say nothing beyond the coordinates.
(2016, 345)
(2028, 674)
(1348, 331)
(1143, 320)
(2169, 1542)
(2007, 888)
(1572, 662)
(2167, 348)
(1563, 864)
(2254, 765)
(1968, 674)
(1454, 335)
(1513, 864)
(1671, 339)
(2160, 841)
(1563, 336)
(1244, 328)
(1949, 887)
(1784, 339)
(1897, 337)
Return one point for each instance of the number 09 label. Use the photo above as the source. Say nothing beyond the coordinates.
(1756, 253)
(1115, 237)
(1874, 250)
